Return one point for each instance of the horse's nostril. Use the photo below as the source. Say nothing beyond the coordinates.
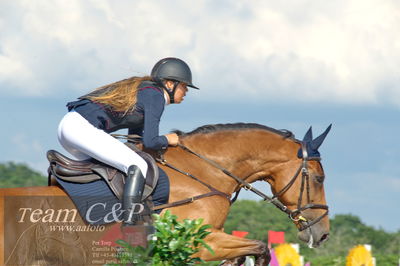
(324, 237)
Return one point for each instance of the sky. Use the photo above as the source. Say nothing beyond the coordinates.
(284, 64)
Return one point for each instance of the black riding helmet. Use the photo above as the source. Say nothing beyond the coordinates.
(174, 69)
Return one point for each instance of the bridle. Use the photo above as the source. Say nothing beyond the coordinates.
(295, 215)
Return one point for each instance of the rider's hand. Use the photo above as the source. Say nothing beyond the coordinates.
(173, 139)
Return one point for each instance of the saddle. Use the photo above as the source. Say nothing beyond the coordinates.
(92, 170)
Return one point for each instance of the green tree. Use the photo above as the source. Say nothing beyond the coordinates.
(19, 175)
(257, 217)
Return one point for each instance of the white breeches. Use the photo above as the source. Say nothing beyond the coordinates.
(83, 141)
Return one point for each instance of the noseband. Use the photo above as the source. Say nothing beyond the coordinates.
(295, 215)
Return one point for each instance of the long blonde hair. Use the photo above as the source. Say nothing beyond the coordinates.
(121, 95)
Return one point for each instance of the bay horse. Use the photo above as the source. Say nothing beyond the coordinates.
(224, 158)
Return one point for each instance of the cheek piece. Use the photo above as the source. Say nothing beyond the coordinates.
(171, 93)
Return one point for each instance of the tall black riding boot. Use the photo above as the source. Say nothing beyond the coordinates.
(132, 198)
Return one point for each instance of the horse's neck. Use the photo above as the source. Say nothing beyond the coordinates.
(247, 154)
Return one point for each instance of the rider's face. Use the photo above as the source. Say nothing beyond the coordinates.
(180, 92)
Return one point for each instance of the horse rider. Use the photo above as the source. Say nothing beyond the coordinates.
(136, 103)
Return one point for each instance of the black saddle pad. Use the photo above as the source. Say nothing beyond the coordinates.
(98, 205)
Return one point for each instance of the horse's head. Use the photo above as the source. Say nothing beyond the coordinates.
(292, 167)
(298, 183)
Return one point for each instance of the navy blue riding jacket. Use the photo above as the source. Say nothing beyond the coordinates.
(144, 120)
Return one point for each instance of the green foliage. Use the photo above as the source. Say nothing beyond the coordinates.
(257, 217)
(387, 260)
(20, 175)
(329, 261)
(178, 241)
(175, 243)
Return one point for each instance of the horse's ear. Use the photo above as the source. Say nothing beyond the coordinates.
(308, 135)
(318, 141)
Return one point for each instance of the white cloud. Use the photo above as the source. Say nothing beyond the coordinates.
(341, 51)
(13, 69)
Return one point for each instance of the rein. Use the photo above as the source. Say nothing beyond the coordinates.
(213, 191)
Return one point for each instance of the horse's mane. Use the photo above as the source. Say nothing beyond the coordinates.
(235, 126)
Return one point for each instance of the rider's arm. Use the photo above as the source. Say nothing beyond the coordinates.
(153, 106)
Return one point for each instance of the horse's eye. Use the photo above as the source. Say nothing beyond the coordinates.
(320, 178)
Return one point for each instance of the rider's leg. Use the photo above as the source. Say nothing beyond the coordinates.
(82, 139)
